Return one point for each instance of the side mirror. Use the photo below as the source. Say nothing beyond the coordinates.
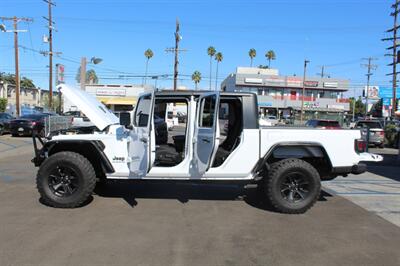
(125, 120)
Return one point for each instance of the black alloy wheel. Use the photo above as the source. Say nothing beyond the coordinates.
(295, 187)
(63, 181)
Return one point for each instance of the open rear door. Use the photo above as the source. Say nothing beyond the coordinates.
(139, 146)
(205, 135)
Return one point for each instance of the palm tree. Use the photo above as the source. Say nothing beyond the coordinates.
(270, 55)
(219, 57)
(91, 77)
(148, 54)
(196, 77)
(252, 54)
(211, 52)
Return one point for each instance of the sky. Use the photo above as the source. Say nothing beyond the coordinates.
(335, 33)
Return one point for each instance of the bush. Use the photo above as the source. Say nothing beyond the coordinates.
(3, 104)
(391, 135)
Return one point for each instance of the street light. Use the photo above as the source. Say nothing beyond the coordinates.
(94, 60)
(304, 89)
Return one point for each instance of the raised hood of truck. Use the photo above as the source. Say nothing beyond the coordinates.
(97, 112)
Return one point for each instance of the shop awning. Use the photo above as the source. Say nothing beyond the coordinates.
(118, 100)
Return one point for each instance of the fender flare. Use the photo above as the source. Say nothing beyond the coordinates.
(52, 147)
(314, 149)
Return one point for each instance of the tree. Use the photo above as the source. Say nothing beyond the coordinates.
(26, 83)
(359, 107)
(211, 52)
(91, 77)
(148, 54)
(45, 101)
(196, 77)
(219, 57)
(262, 67)
(252, 54)
(376, 110)
(3, 105)
(10, 79)
(270, 55)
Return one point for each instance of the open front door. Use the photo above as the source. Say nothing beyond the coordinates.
(139, 146)
(205, 136)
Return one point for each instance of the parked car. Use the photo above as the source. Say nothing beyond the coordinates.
(264, 122)
(5, 123)
(323, 124)
(79, 119)
(27, 124)
(376, 132)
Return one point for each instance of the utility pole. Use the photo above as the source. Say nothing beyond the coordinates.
(177, 39)
(322, 73)
(83, 73)
(50, 40)
(176, 50)
(304, 89)
(394, 54)
(370, 67)
(15, 31)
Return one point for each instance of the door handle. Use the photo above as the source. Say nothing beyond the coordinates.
(143, 139)
(206, 140)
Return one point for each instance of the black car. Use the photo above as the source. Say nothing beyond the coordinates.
(5, 123)
(27, 124)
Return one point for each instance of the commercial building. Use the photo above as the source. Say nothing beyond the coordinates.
(29, 98)
(282, 96)
(115, 96)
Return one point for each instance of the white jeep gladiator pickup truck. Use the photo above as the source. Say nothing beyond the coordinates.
(220, 140)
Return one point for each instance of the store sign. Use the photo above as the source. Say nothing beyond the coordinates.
(336, 106)
(330, 84)
(275, 80)
(293, 81)
(60, 69)
(310, 83)
(253, 80)
(311, 105)
(387, 101)
(110, 92)
(387, 92)
(372, 92)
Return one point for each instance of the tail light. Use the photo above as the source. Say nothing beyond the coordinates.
(382, 133)
(34, 123)
(360, 145)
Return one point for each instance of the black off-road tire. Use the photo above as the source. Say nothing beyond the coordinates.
(1, 130)
(77, 164)
(277, 175)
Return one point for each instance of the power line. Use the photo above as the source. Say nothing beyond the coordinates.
(15, 31)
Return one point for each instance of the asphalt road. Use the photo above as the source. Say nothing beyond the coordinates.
(181, 224)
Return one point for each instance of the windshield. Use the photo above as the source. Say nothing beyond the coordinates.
(369, 124)
(328, 124)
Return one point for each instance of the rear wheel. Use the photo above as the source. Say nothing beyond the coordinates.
(292, 186)
(66, 180)
(1, 130)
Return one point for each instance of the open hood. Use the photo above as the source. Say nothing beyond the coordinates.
(97, 112)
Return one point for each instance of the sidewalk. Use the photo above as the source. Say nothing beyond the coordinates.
(377, 190)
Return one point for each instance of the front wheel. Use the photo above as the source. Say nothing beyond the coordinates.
(292, 186)
(66, 180)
